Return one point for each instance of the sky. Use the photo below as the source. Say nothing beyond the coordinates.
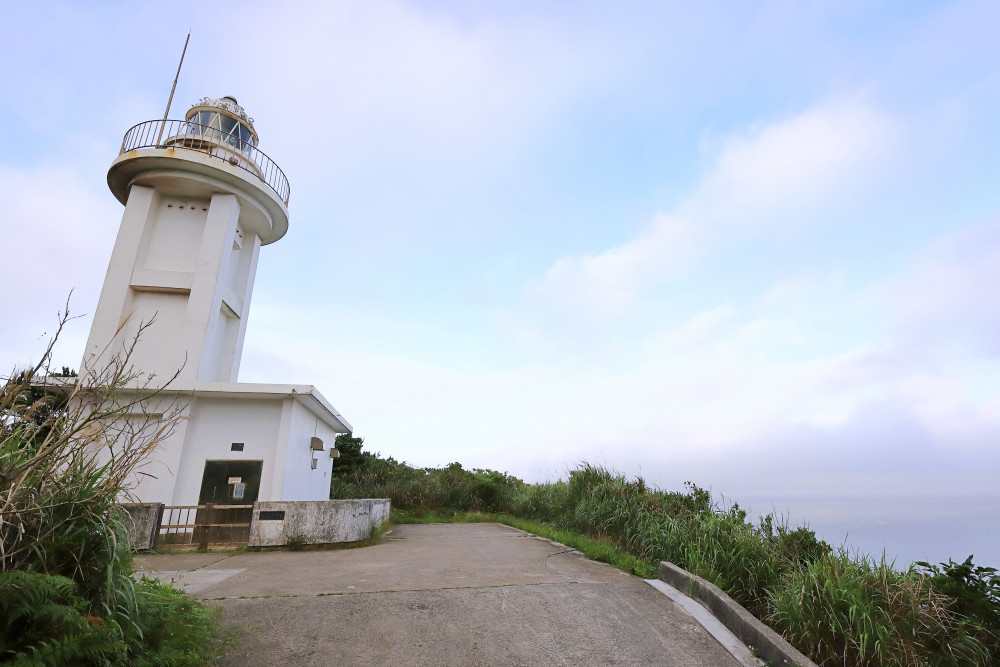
(751, 245)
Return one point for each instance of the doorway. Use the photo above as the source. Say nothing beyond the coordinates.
(228, 491)
(230, 482)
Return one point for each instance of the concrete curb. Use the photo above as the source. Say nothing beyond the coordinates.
(769, 644)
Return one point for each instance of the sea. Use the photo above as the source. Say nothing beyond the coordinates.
(905, 528)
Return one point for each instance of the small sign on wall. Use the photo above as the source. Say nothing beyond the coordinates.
(239, 490)
(235, 480)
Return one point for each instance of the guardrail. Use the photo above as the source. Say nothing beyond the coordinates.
(204, 525)
(211, 141)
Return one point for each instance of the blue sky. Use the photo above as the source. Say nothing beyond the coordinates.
(754, 245)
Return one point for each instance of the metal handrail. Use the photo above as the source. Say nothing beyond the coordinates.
(211, 141)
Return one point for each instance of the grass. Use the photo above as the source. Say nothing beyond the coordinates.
(296, 542)
(599, 550)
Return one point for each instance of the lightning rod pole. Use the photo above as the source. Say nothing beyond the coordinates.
(172, 89)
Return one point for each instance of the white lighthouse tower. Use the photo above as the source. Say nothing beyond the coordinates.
(200, 201)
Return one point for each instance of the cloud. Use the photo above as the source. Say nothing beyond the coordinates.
(59, 234)
(608, 281)
(785, 172)
(766, 178)
(379, 85)
(949, 291)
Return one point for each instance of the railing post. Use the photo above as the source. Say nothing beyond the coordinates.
(209, 520)
(159, 526)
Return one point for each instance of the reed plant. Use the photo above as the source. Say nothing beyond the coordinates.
(861, 611)
(70, 449)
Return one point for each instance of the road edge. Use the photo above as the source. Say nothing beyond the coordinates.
(768, 644)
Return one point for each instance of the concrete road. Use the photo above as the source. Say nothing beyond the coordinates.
(442, 594)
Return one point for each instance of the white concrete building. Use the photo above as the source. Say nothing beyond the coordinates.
(200, 202)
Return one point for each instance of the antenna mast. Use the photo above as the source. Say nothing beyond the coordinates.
(172, 89)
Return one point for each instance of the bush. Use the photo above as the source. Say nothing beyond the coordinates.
(68, 452)
(976, 592)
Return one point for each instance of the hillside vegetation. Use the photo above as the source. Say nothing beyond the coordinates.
(839, 609)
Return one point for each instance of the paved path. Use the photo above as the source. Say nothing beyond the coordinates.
(442, 594)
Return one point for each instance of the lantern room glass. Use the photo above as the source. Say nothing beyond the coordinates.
(219, 127)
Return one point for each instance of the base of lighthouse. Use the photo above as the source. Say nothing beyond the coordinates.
(239, 443)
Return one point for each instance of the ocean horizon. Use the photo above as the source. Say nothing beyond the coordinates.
(906, 528)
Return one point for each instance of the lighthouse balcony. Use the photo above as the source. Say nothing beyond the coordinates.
(233, 145)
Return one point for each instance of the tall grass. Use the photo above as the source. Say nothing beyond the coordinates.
(837, 608)
(69, 450)
(859, 611)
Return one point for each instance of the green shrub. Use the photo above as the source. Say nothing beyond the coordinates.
(976, 592)
(67, 597)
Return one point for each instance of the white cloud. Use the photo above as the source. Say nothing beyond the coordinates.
(767, 370)
(375, 85)
(608, 281)
(58, 235)
(950, 291)
(772, 175)
(785, 172)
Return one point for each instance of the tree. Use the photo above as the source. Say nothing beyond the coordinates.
(351, 457)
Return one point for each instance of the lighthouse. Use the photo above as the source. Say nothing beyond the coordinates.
(201, 201)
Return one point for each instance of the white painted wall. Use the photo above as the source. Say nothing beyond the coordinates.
(300, 481)
(215, 424)
(189, 264)
(276, 428)
(172, 234)
(155, 479)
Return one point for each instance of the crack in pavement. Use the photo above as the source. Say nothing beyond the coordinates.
(407, 590)
(554, 568)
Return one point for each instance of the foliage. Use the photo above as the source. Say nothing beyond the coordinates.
(595, 549)
(976, 591)
(69, 452)
(864, 612)
(351, 457)
(451, 487)
(44, 620)
(836, 608)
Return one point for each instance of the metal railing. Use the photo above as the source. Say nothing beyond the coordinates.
(204, 524)
(211, 141)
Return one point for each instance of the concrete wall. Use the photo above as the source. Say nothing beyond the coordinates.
(187, 263)
(276, 426)
(299, 481)
(153, 481)
(214, 426)
(144, 521)
(748, 629)
(316, 522)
